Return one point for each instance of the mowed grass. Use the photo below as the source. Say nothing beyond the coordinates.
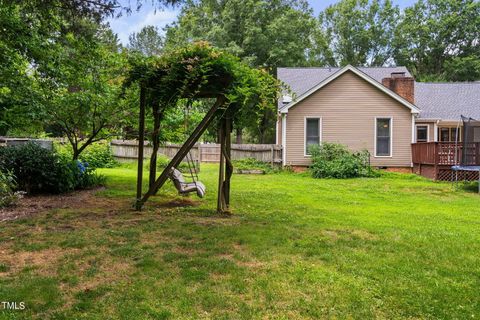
(395, 247)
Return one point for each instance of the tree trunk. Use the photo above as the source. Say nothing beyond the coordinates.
(239, 136)
(78, 150)
(263, 128)
(266, 124)
(76, 154)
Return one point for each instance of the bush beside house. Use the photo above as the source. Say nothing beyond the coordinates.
(332, 160)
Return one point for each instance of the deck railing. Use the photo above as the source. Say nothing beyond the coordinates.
(444, 153)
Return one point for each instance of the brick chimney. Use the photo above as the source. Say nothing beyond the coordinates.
(401, 85)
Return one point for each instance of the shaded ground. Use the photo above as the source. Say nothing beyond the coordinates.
(32, 205)
(397, 247)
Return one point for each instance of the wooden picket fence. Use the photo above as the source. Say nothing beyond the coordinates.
(127, 150)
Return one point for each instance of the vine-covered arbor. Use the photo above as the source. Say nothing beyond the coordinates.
(198, 71)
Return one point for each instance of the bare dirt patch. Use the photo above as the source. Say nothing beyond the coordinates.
(43, 260)
(244, 259)
(179, 203)
(33, 205)
(364, 235)
(110, 272)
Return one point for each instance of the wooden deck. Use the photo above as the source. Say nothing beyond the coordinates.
(435, 159)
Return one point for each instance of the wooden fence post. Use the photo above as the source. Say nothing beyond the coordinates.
(273, 155)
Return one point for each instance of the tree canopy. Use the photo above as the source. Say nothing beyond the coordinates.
(147, 41)
(440, 40)
(360, 31)
(61, 64)
(262, 33)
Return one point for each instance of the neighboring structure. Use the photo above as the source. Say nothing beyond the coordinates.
(11, 142)
(382, 110)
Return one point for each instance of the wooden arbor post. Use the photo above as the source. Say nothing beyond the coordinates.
(226, 166)
(141, 140)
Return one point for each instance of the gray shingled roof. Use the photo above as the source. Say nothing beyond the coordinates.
(300, 80)
(448, 101)
(445, 101)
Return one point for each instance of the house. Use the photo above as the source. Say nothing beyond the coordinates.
(381, 109)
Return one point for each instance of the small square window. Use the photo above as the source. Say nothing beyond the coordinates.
(422, 133)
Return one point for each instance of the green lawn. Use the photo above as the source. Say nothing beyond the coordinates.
(394, 247)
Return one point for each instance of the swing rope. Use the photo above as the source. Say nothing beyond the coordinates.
(190, 162)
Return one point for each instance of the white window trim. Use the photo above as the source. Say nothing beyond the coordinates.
(428, 131)
(375, 137)
(305, 133)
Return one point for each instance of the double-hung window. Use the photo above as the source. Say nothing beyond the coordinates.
(312, 133)
(383, 137)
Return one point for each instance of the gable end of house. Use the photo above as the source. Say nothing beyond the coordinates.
(414, 110)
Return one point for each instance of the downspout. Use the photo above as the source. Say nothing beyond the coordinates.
(284, 139)
(413, 127)
(413, 138)
(276, 130)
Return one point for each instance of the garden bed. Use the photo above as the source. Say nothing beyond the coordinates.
(250, 171)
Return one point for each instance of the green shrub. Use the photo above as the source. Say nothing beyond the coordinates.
(8, 196)
(87, 177)
(252, 164)
(39, 170)
(331, 160)
(64, 150)
(97, 155)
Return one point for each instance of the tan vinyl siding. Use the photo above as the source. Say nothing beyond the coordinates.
(347, 107)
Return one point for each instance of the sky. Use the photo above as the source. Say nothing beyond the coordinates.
(134, 22)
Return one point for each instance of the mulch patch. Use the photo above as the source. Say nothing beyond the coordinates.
(32, 205)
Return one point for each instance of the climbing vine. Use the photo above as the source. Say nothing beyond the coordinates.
(202, 71)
